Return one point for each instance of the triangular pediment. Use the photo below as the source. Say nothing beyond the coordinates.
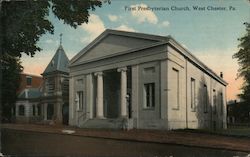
(113, 42)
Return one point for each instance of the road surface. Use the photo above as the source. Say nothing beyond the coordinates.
(30, 143)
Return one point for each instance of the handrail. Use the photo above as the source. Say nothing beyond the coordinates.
(83, 114)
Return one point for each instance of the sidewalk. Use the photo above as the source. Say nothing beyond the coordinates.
(155, 136)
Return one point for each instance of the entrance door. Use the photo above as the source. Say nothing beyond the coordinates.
(50, 111)
(112, 93)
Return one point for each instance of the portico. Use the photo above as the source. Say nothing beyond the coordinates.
(110, 93)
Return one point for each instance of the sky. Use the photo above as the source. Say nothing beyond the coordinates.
(209, 33)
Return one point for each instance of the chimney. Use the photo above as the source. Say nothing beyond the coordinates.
(221, 74)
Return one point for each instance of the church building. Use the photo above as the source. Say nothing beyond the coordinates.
(133, 80)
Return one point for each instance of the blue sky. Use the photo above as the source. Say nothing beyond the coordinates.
(210, 35)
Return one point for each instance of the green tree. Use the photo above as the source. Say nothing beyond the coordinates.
(11, 68)
(243, 58)
(22, 25)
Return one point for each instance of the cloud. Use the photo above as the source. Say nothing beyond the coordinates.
(49, 41)
(94, 27)
(165, 24)
(144, 15)
(125, 28)
(113, 18)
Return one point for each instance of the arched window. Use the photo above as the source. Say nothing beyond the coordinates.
(21, 110)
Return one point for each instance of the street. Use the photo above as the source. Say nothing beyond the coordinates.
(29, 143)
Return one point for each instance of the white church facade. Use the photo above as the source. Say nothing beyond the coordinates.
(134, 80)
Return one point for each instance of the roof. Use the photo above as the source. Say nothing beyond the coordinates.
(30, 93)
(36, 81)
(59, 62)
(32, 75)
(158, 40)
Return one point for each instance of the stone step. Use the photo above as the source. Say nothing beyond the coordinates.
(103, 123)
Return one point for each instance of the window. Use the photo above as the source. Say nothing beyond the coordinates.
(221, 103)
(39, 111)
(80, 100)
(149, 95)
(193, 96)
(14, 110)
(205, 98)
(50, 85)
(214, 101)
(175, 88)
(28, 80)
(50, 111)
(21, 110)
(34, 110)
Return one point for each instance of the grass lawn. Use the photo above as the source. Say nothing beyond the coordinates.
(237, 131)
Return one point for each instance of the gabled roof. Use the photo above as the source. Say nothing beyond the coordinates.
(59, 62)
(30, 93)
(144, 41)
(156, 40)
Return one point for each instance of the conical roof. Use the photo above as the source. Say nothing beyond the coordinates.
(59, 62)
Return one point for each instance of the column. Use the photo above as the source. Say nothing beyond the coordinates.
(71, 100)
(99, 100)
(123, 91)
(17, 110)
(89, 86)
(59, 112)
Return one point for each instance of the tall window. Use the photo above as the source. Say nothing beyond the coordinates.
(193, 94)
(149, 90)
(175, 88)
(214, 101)
(80, 100)
(205, 98)
(39, 110)
(50, 111)
(34, 110)
(28, 80)
(21, 110)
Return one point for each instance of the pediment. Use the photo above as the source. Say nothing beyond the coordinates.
(110, 44)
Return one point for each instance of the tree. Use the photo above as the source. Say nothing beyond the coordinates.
(243, 58)
(22, 25)
(11, 68)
